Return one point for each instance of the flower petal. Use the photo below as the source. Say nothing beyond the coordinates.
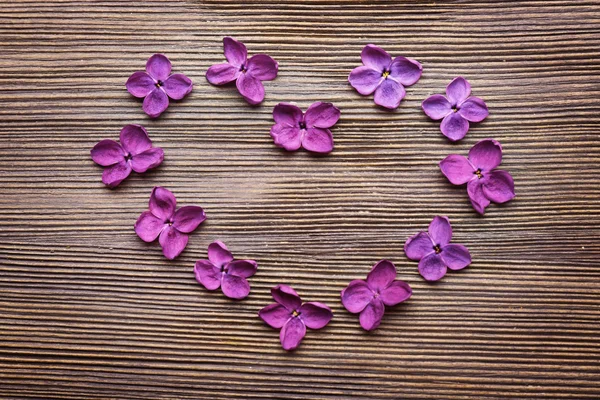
(134, 139)
(486, 155)
(187, 218)
(418, 246)
(370, 317)
(219, 254)
(382, 275)
(140, 84)
(235, 52)
(376, 58)
(318, 140)
(315, 315)
(458, 90)
(177, 86)
(220, 74)
(456, 256)
(155, 103)
(158, 67)
(292, 333)
(396, 293)
(115, 174)
(499, 187)
(287, 114)
(162, 203)
(389, 94)
(235, 287)
(286, 136)
(436, 107)
(243, 268)
(107, 152)
(432, 267)
(365, 79)
(148, 159)
(321, 115)
(263, 67)
(405, 70)
(148, 226)
(478, 199)
(287, 297)
(356, 296)
(457, 169)
(440, 230)
(473, 109)
(250, 88)
(172, 242)
(207, 274)
(454, 126)
(275, 315)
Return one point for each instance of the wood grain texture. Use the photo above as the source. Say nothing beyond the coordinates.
(88, 311)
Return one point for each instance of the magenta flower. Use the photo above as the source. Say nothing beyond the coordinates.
(292, 317)
(484, 183)
(169, 226)
(384, 76)
(310, 130)
(156, 85)
(220, 270)
(456, 109)
(247, 74)
(370, 297)
(433, 251)
(134, 153)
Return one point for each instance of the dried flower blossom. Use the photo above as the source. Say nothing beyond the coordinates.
(156, 85)
(384, 76)
(247, 74)
(310, 130)
(456, 108)
(221, 270)
(169, 226)
(292, 317)
(135, 152)
(434, 252)
(485, 184)
(370, 297)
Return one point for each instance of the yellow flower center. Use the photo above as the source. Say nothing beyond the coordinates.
(385, 74)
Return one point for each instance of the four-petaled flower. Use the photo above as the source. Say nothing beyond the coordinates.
(169, 226)
(484, 184)
(247, 74)
(292, 317)
(456, 109)
(370, 297)
(433, 251)
(384, 76)
(310, 130)
(221, 270)
(156, 85)
(134, 153)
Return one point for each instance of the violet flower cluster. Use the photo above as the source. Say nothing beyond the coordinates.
(381, 75)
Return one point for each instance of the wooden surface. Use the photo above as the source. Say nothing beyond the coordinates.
(89, 311)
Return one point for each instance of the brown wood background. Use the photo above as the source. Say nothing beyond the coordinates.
(87, 310)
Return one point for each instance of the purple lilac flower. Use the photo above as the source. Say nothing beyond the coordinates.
(384, 76)
(370, 297)
(247, 74)
(292, 317)
(456, 109)
(433, 251)
(134, 153)
(156, 85)
(485, 184)
(169, 226)
(221, 270)
(310, 130)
